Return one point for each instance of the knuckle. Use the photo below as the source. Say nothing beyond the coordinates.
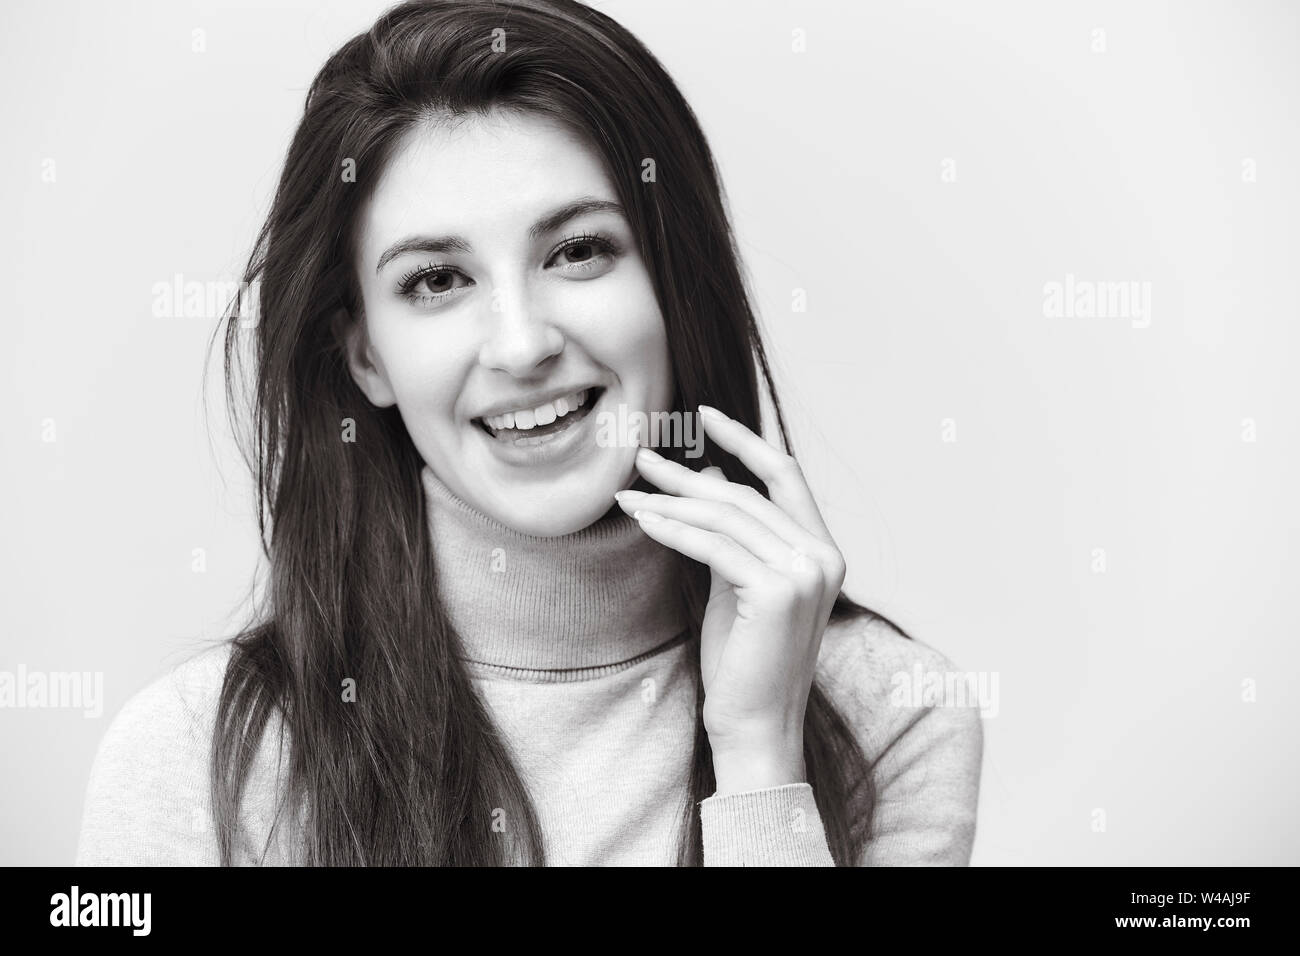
(807, 572)
(835, 566)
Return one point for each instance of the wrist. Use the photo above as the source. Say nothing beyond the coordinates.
(740, 767)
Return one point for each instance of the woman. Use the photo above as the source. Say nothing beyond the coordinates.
(499, 229)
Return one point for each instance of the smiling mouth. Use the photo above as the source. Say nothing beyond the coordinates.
(537, 425)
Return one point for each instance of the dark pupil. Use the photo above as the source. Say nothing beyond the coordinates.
(581, 245)
(436, 277)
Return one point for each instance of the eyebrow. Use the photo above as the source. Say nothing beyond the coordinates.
(433, 245)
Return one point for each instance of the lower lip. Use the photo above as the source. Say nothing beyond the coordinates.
(554, 448)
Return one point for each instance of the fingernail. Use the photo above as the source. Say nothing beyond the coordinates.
(708, 411)
(647, 516)
(648, 454)
(629, 494)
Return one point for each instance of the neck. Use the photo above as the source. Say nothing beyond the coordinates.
(599, 596)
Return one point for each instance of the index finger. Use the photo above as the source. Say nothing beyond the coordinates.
(785, 482)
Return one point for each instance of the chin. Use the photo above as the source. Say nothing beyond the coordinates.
(578, 500)
(554, 522)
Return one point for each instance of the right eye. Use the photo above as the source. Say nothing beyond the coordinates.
(430, 284)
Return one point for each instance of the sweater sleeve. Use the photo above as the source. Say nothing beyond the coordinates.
(927, 789)
(925, 744)
(925, 755)
(775, 826)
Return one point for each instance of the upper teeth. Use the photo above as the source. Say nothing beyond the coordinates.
(541, 415)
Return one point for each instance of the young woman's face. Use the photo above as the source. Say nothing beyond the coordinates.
(506, 310)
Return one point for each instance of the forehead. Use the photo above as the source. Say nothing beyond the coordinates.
(497, 172)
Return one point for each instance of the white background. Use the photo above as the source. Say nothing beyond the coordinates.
(1120, 691)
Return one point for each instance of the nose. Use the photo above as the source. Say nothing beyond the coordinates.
(520, 336)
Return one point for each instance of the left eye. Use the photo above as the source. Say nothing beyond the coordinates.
(584, 253)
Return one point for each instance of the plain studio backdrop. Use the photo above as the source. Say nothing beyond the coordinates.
(1092, 506)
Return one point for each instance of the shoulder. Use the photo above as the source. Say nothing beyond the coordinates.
(173, 711)
(886, 684)
(146, 802)
(918, 719)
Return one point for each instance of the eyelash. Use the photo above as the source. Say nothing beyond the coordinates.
(406, 285)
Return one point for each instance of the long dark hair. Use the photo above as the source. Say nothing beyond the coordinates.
(412, 770)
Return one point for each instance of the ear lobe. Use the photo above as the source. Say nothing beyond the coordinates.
(364, 365)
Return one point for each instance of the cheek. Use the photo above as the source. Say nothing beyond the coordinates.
(625, 331)
(421, 357)
(648, 358)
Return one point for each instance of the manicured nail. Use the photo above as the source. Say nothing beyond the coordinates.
(708, 411)
(647, 516)
(648, 454)
(629, 494)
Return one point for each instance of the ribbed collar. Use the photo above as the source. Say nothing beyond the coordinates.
(599, 596)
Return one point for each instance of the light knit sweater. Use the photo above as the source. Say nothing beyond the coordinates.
(577, 646)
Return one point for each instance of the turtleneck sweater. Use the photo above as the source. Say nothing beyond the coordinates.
(579, 647)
